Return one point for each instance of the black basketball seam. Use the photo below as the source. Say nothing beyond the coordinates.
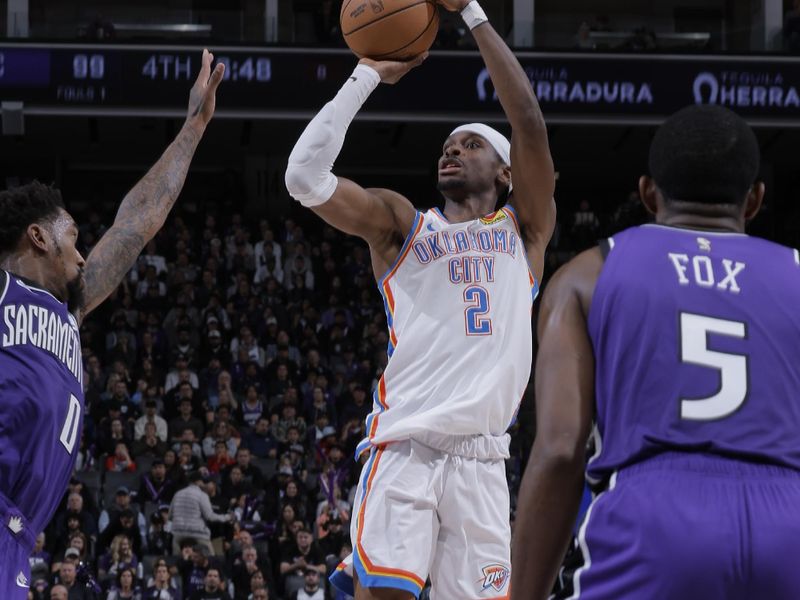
(381, 18)
(433, 18)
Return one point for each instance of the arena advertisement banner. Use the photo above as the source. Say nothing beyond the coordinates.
(450, 86)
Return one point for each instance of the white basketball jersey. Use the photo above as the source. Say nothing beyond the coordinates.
(458, 303)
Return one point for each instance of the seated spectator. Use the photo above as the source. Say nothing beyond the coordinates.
(252, 408)
(188, 437)
(159, 540)
(257, 587)
(129, 523)
(332, 537)
(185, 420)
(119, 556)
(259, 441)
(233, 485)
(311, 590)
(69, 553)
(221, 389)
(212, 587)
(39, 560)
(85, 522)
(116, 433)
(187, 459)
(291, 495)
(250, 473)
(76, 486)
(246, 509)
(292, 440)
(220, 431)
(244, 567)
(298, 556)
(288, 418)
(194, 564)
(161, 586)
(67, 580)
(155, 487)
(149, 445)
(221, 458)
(121, 460)
(150, 416)
(150, 282)
(358, 408)
(125, 587)
(189, 511)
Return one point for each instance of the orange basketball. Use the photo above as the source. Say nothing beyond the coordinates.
(389, 29)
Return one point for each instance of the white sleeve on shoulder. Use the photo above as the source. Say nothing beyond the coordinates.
(308, 175)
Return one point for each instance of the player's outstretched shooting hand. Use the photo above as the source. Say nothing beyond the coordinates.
(203, 95)
(453, 5)
(391, 71)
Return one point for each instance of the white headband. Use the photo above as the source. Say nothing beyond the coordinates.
(498, 141)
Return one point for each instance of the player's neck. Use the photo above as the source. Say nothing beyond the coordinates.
(700, 216)
(28, 267)
(468, 209)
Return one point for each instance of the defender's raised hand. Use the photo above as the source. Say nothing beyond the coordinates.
(391, 71)
(202, 97)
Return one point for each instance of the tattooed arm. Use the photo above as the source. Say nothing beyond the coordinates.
(145, 208)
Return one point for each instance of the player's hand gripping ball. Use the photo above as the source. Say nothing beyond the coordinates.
(389, 29)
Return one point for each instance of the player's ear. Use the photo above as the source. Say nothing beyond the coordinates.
(755, 197)
(38, 236)
(503, 178)
(648, 193)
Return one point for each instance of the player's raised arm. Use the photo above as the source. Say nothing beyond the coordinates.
(551, 487)
(146, 206)
(532, 173)
(372, 214)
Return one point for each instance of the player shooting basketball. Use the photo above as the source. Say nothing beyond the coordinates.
(46, 289)
(458, 293)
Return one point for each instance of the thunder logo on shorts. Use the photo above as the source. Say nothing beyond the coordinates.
(495, 576)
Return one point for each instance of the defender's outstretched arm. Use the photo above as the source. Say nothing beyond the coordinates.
(146, 206)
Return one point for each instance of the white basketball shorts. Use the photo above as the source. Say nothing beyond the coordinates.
(422, 512)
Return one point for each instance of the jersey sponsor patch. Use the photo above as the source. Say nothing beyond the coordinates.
(494, 576)
(493, 218)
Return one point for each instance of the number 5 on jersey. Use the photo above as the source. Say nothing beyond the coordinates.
(732, 367)
(475, 321)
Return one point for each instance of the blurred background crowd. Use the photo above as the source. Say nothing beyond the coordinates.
(227, 383)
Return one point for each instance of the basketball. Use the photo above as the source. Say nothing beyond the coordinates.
(389, 29)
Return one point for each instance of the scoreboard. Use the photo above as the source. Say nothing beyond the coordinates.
(275, 83)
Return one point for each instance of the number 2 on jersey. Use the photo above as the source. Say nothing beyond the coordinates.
(732, 367)
(69, 433)
(475, 320)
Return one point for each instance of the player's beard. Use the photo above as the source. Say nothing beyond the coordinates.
(451, 184)
(75, 293)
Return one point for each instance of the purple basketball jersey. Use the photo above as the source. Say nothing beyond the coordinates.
(41, 398)
(696, 338)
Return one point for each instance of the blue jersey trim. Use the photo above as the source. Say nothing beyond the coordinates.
(399, 257)
(383, 581)
(342, 582)
(535, 286)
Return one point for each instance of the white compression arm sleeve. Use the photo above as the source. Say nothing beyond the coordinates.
(308, 176)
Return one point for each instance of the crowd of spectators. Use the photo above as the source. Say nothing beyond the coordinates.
(227, 383)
